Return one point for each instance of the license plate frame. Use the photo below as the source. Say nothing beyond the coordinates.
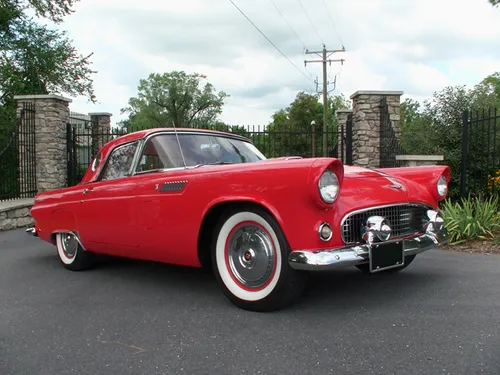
(386, 255)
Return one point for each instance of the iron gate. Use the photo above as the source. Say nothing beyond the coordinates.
(480, 164)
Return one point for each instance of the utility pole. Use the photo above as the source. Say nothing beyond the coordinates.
(325, 54)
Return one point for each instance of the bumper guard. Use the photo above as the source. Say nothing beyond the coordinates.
(435, 235)
(32, 231)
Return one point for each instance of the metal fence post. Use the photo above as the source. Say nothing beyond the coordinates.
(463, 165)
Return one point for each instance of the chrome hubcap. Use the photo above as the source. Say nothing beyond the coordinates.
(251, 256)
(69, 244)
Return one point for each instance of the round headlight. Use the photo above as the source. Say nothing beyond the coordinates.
(442, 186)
(328, 186)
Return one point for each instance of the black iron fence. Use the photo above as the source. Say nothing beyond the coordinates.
(389, 142)
(18, 157)
(9, 183)
(85, 139)
(480, 167)
(293, 141)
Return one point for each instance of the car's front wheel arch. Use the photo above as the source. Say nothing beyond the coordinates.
(209, 222)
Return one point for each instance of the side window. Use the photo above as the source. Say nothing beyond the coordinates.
(160, 152)
(119, 162)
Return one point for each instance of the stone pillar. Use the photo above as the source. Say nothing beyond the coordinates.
(342, 116)
(366, 124)
(101, 130)
(51, 118)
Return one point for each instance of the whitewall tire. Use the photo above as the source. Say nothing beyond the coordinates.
(250, 261)
(71, 253)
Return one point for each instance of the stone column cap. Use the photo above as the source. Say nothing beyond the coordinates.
(377, 93)
(42, 97)
(420, 157)
(343, 111)
(100, 114)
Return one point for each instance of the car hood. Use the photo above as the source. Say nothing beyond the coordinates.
(363, 187)
(360, 172)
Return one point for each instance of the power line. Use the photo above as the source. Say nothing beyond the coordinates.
(333, 23)
(269, 40)
(311, 22)
(290, 26)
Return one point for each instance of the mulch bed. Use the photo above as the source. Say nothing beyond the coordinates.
(477, 247)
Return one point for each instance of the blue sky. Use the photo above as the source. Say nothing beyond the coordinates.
(416, 46)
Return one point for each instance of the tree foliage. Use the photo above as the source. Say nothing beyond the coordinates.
(291, 129)
(174, 98)
(494, 2)
(35, 59)
(486, 94)
(435, 128)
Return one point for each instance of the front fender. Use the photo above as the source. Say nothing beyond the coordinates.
(246, 198)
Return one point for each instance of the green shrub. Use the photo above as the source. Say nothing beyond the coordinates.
(496, 240)
(471, 219)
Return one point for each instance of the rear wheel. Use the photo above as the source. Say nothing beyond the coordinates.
(365, 268)
(71, 253)
(250, 261)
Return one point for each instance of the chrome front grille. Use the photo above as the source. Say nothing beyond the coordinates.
(404, 219)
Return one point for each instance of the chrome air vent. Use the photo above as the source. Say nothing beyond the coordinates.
(405, 219)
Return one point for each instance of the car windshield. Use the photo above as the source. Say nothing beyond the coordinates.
(162, 151)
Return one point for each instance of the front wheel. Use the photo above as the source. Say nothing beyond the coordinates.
(250, 261)
(71, 253)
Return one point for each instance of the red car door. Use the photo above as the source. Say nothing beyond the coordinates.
(107, 211)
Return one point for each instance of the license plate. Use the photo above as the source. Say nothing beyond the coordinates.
(384, 256)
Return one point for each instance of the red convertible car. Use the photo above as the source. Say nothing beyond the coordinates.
(198, 198)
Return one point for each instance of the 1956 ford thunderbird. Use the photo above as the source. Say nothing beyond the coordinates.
(205, 198)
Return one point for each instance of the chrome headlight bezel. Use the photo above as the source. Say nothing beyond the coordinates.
(328, 186)
(442, 187)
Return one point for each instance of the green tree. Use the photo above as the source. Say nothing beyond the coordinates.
(291, 132)
(175, 97)
(409, 112)
(53, 10)
(436, 127)
(417, 134)
(486, 94)
(494, 2)
(36, 60)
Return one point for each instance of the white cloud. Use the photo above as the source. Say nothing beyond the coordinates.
(417, 47)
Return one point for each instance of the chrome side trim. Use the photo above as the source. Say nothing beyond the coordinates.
(330, 259)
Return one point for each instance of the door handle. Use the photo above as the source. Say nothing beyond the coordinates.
(85, 191)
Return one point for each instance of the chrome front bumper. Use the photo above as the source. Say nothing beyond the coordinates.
(329, 259)
(32, 231)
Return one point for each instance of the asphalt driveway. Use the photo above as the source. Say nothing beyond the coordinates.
(439, 316)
